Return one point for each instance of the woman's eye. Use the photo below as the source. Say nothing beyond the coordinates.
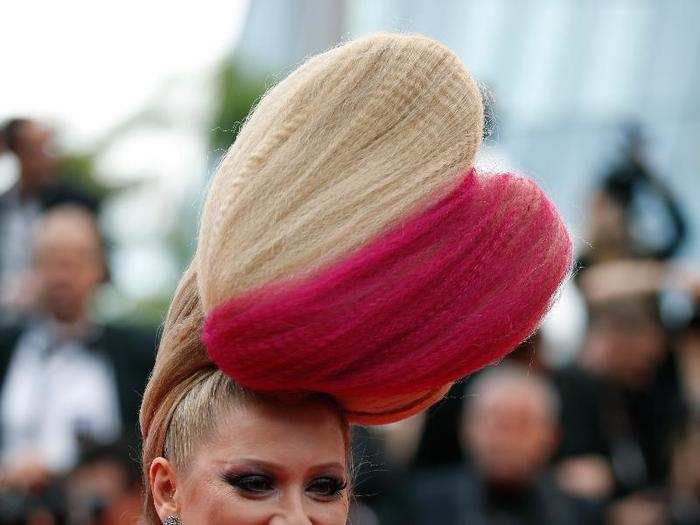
(256, 484)
(327, 488)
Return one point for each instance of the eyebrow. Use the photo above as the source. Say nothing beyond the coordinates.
(275, 467)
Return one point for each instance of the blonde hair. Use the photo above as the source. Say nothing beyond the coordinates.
(195, 416)
(354, 139)
(194, 419)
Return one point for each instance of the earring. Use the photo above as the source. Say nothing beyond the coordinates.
(172, 520)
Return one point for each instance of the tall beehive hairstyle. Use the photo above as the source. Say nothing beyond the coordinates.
(347, 246)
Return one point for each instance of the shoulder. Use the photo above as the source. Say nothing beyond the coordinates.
(441, 484)
(5, 196)
(572, 380)
(11, 330)
(131, 345)
(561, 507)
(447, 496)
(125, 332)
(9, 336)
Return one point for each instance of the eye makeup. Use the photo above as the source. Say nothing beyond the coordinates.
(251, 484)
(327, 488)
(256, 484)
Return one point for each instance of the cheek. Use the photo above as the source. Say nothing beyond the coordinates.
(209, 503)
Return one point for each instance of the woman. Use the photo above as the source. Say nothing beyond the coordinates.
(351, 265)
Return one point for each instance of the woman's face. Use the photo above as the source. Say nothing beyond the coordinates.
(267, 464)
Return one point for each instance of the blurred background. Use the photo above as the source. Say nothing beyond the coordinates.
(113, 117)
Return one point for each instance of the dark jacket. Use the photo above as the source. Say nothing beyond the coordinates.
(457, 496)
(130, 352)
(632, 429)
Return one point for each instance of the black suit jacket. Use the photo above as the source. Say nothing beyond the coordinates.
(456, 496)
(130, 352)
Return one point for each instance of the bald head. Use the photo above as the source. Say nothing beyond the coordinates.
(68, 226)
(69, 262)
(510, 424)
(514, 385)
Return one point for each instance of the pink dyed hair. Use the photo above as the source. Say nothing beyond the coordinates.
(438, 296)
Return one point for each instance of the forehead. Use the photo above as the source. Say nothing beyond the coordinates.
(35, 131)
(639, 311)
(513, 397)
(295, 437)
(67, 229)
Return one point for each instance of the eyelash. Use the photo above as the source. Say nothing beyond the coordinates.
(334, 486)
(328, 488)
(247, 483)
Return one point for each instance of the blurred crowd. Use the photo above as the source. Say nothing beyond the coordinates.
(610, 436)
(70, 385)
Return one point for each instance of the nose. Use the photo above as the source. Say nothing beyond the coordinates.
(291, 512)
(286, 519)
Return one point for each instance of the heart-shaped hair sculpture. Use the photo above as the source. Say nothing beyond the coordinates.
(349, 247)
(387, 328)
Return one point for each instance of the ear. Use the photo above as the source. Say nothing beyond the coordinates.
(163, 481)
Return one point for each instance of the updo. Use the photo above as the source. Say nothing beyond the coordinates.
(347, 246)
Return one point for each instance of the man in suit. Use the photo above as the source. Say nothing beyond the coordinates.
(37, 189)
(65, 379)
(509, 431)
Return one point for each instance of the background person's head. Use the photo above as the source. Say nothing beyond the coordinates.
(234, 457)
(510, 425)
(33, 144)
(625, 341)
(69, 262)
(105, 486)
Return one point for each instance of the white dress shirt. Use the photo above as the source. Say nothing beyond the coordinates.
(55, 391)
